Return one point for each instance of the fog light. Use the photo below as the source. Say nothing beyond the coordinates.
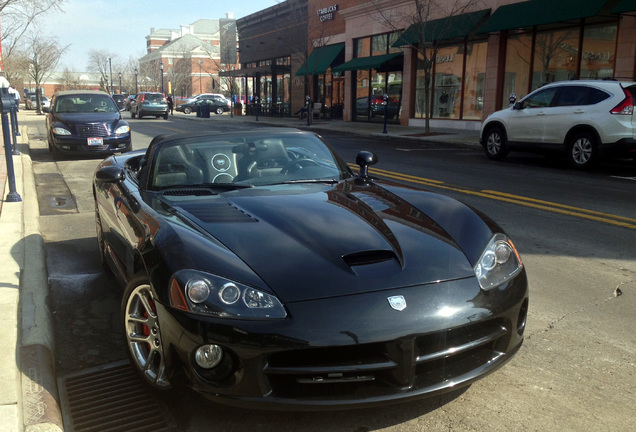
(208, 356)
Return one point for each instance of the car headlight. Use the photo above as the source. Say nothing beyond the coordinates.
(122, 129)
(61, 131)
(498, 263)
(207, 294)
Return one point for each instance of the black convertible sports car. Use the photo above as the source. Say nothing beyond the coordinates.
(262, 271)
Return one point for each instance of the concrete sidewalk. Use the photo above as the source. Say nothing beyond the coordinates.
(28, 390)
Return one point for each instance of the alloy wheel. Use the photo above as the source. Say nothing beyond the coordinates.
(144, 337)
(582, 151)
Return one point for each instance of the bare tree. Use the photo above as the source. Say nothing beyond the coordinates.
(180, 74)
(428, 21)
(101, 62)
(18, 16)
(43, 57)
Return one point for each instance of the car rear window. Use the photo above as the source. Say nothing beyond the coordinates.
(153, 97)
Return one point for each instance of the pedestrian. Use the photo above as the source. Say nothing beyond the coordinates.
(170, 104)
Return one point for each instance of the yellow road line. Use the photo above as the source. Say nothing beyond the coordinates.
(549, 206)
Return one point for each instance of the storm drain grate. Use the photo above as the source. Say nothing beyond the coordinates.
(111, 398)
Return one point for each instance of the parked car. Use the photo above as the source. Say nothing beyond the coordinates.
(217, 105)
(149, 104)
(120, 100)
(129, 100)
(259, 269)
(86, 122)
(31, 103)
(585, 120)
(374, 105)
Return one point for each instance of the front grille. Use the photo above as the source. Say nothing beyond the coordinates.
(376, 370)
(92, 130)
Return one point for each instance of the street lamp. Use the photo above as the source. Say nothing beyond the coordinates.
(120, 92)
(161, 67)
(110, 64)
(136, 81)
(200, 77)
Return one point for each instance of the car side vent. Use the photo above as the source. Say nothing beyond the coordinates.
(369, 257)
(189, 192)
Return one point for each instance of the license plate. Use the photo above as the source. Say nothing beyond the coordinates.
(95, 141)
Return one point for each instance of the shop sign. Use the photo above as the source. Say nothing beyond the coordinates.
(327, 13)
(444, 59)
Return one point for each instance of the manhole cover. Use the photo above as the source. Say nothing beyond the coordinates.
(111, 398)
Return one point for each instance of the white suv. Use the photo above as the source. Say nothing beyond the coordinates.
(585, 120)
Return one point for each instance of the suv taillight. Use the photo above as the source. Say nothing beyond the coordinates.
(626, 107)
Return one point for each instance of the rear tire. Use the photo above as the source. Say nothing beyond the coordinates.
(495, 144)
(219, 110)
(187, 110)
(582, 151)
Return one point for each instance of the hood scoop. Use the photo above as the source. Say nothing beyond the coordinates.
(216, 212)
(373, 263)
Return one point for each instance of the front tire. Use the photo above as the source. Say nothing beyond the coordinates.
(219, 110)
(143, 336)
(582, 151)
(495, 143)
(187, 110)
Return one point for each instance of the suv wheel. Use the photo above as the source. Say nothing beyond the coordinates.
(495, 144)
(582, 151)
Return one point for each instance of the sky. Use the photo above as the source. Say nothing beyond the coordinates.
(121, 26)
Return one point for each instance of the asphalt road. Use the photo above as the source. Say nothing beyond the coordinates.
(575, 232)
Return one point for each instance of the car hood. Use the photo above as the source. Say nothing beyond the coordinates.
(82, 118)
(313, 241)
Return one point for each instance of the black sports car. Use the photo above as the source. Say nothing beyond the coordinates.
(261, 270)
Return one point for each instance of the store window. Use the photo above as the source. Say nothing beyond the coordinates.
(474, 77)
(447, 83)
(517, 67)
(555, 56)
(597, 56)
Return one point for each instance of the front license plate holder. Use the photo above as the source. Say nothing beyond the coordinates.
(95, 141)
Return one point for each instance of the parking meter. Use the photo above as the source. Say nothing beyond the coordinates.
(309, 113)
(386, 110)
(512, 99)
(5, 109)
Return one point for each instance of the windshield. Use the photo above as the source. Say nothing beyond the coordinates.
(246, 162)
(85, 104)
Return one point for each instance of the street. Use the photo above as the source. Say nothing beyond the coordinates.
(575, 232)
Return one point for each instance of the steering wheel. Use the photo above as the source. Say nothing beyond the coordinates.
(297, 165)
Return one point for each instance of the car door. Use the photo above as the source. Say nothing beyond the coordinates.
(527, 121)
(569, 109)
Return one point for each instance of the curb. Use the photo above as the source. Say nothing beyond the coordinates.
(40, 401)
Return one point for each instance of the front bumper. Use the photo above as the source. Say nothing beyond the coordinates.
(353, 351)
(80, 145)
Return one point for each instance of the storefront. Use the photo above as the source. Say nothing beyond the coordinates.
(272, 43)
(482, 56)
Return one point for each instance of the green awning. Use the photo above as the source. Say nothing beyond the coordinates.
(454, 27)
(538, 12)
(625, 6)
(321, 59)
(384, 62)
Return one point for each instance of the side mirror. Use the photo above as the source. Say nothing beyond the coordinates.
(364, 160)
(110, 174)
(517, 106)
